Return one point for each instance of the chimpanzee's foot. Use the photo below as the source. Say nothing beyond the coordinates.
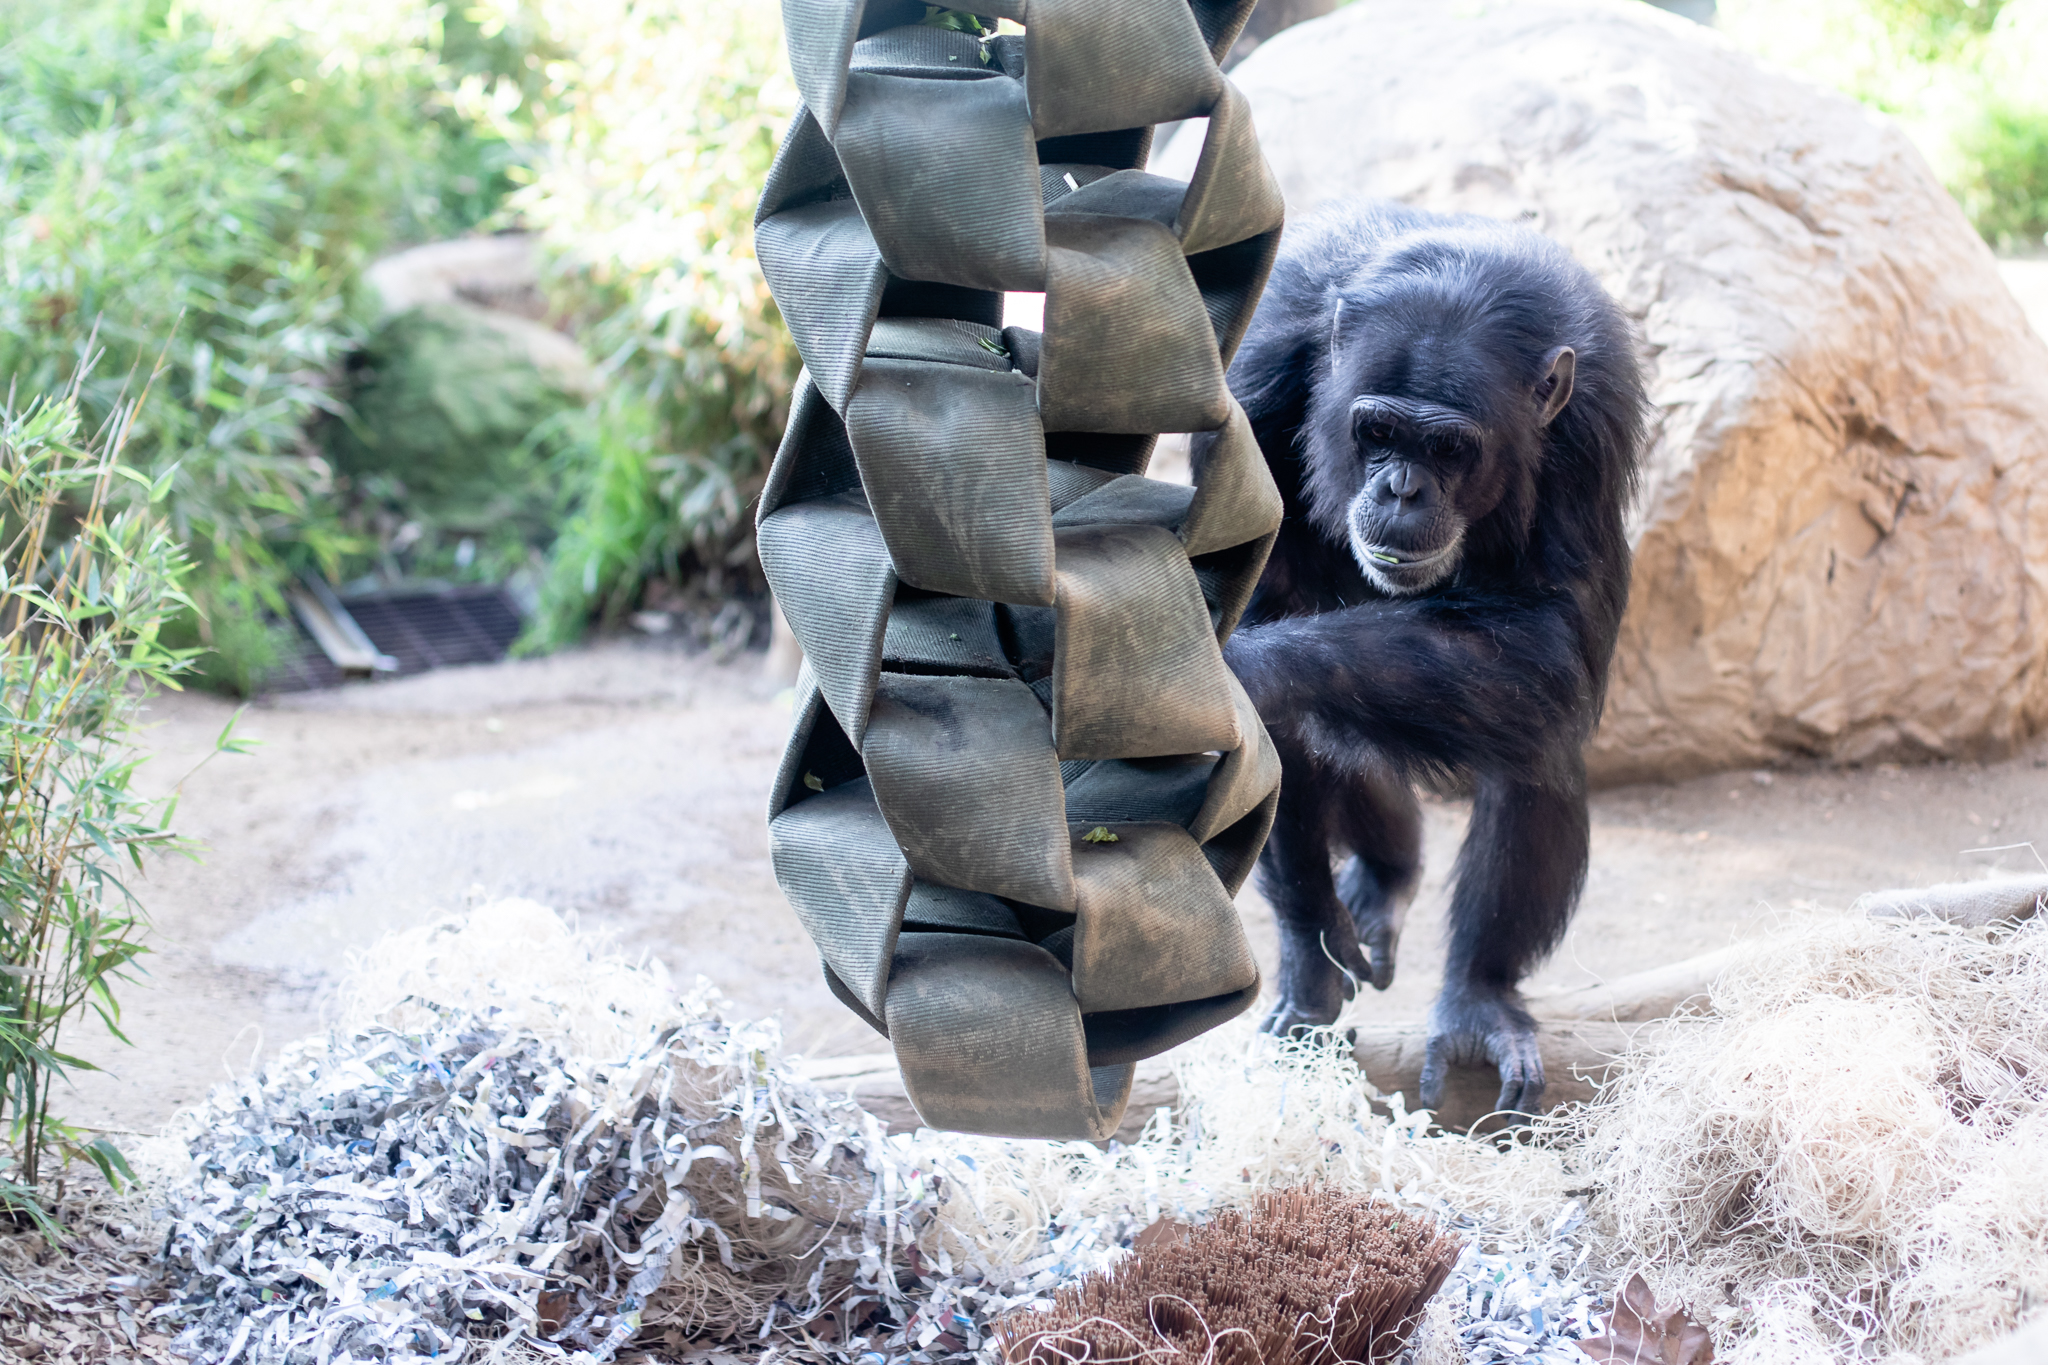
(1318, 973)
(1482, 1026)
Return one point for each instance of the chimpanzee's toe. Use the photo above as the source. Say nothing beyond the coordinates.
(1314, 983)
(1478, 1027)
(1293, 1016)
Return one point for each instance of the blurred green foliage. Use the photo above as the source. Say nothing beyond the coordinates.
(181, 197)
(198, 185)
(657, 138)
(1967, 78)
(443, 443)
(1937, 30)
(2004, 185)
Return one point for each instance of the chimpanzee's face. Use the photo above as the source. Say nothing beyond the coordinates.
(1424, 426)
(1417, 463)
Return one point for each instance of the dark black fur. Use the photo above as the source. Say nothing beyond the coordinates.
(1492, 673)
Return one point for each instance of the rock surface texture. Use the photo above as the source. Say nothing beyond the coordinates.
(1842, 537)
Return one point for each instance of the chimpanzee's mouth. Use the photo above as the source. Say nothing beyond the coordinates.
(1404, 573)
(1405, 559)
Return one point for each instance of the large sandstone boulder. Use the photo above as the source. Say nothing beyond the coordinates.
(1842, 541)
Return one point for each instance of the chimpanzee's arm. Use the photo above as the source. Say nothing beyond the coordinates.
(1498, 688)
(1482, 684)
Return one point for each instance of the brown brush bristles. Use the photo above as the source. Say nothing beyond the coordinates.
(1306, 1277)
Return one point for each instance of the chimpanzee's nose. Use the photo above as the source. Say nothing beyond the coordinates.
(1401, 488)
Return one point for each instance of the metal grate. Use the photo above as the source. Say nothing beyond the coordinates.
(422, 630)
(307, 671)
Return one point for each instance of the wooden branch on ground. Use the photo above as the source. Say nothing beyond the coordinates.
(1580, 1031)
(1974, 904)
(872, 1081)
(1638, 997)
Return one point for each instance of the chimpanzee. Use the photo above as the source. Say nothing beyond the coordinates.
(1453, 410)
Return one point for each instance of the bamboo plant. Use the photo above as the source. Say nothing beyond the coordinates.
(89, 575)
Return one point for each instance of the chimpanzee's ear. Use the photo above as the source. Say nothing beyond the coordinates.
(1554, 389)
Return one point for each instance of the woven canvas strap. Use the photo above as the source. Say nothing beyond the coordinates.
(1022, 787)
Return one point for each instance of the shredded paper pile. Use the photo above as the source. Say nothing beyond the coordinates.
(450, 1175)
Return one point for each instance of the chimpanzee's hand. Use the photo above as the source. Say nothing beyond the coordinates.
(1375, 916)
(1318, 973)
(1377, 936)
(1478, 1026)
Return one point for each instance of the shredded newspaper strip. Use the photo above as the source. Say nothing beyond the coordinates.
(399, 1195)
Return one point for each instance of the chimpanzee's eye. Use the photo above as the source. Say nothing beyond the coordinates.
(1373, 425)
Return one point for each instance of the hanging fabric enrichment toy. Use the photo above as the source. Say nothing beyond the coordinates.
(1022, 787)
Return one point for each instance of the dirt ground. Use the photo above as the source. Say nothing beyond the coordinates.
(626, 783)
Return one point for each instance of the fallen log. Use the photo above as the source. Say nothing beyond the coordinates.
(1576, 1055)
(871, 1080)
(1657, 993)
(1580, 1031)
(1974, 904)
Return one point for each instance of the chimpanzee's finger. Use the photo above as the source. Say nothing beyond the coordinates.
(1435, 1063)
(1521, 1076)
(1509, 1100)
(1379, 944)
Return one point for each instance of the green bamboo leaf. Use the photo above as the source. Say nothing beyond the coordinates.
(21, 1199)
(99, 839)
(113, 1166)
(113, 1028)
(937, 16)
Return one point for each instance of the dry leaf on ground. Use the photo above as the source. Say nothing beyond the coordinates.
(1637, 1334)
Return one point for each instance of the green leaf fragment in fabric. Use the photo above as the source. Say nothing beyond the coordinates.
(958, 20)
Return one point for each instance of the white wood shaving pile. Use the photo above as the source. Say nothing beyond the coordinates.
(1846, 1159)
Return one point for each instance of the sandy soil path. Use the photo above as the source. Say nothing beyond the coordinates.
(626, 783)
